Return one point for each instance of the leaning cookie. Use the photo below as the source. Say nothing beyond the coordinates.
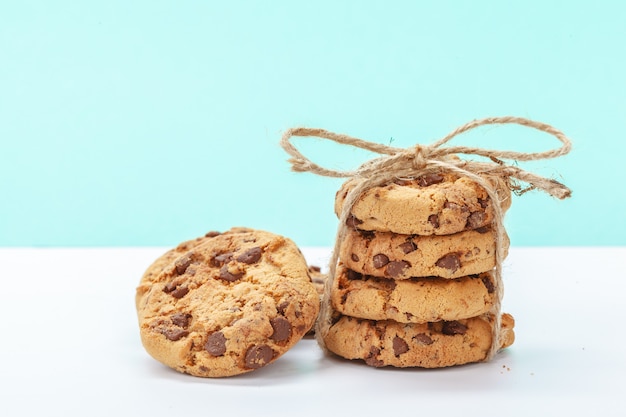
(414, 300)
(429, 345)
(435, 203)
(398, 256)
(229, 305)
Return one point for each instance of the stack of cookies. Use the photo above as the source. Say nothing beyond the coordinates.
(414, 286)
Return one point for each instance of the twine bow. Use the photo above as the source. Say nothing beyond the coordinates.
(418, 160)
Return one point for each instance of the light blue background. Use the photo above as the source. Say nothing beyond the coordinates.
(150, 122)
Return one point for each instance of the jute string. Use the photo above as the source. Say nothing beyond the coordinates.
(412, 162)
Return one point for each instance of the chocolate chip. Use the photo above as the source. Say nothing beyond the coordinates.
(282, 307)
(408, 246)
(371, 359)
(258, 356)
(423, 339)
(182, 263)
(314, 268)
(476, 219)
(483, 203)
(399, 346)
(451, 261)
(429, 179)
(250, 256)
(179, 292)
(380, 260)
(482, 230)
(451, 328)
(212, 233)
(282, 329)
(221, 259)
(353, 222)
(367, 234)
(396, 268)
(175, 334)
(169, 287)
(354, 257)
(181, 319)
(353, 274)
(433, 219)
(216, 344)
(226, 275)
(488, 284)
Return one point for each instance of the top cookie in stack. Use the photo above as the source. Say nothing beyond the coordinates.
(432, 204)
(415, 281)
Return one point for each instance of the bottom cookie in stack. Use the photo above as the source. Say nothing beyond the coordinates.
(425, 322)
(426, 345)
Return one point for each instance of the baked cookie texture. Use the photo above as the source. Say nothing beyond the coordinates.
(426, 345)
(415, 300)
(397, 256)
(226, 304)
(159, 264)
(432, 204)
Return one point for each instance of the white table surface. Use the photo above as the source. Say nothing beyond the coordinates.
(70, 347)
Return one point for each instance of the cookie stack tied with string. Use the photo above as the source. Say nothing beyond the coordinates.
(415, 277)
(415, 284)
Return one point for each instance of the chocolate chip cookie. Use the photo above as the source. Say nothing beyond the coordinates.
(226, 304)
(396, 256)
(431, 204)
(414, 300)
(427, 345)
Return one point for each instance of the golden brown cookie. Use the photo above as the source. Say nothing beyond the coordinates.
(398, 256)
(428, 345)
(230, 304)
(432, 204)
(414, 300)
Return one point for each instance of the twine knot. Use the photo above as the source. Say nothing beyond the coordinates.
(419, 159)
